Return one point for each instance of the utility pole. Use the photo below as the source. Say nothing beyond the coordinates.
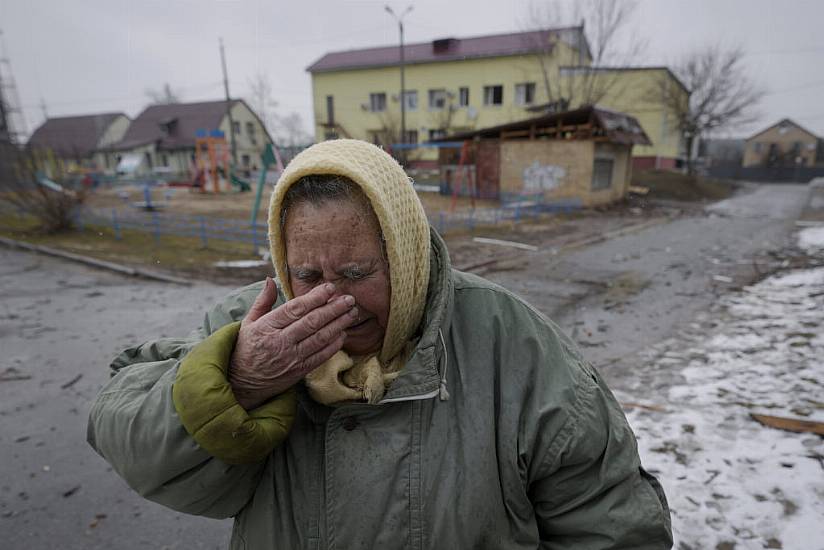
(399, 19)
(43, 108)
(232, 141)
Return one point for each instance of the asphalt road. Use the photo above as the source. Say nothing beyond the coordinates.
(619, 296)
(60, 324)
(60, 321)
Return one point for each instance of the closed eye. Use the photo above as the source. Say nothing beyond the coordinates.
(355, 273)
(305, 275)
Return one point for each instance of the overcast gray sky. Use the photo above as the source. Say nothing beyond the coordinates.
(86, 56)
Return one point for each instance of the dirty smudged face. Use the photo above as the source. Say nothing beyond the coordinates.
(337, 242)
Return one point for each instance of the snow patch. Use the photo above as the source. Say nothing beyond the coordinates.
(729, 479)
(811, 239)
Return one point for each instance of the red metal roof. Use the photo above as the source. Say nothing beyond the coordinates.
(447, 49)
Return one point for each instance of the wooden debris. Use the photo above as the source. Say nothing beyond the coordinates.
(11, 374)
(638, 190)
(789, 424)
(71, 382)
(500, 242)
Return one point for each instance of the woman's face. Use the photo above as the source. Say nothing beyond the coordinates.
(337, 242)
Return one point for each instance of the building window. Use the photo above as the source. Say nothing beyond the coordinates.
(164, 160)
(246, 160)
(437, 99)
(410, 98)
(463, 97)
(437, 134)
(330, 111)
(757, 147)
(250, 131)
(525, 93)
(493, 95)
(602, 174)
(236, 128)
(377, 102)
(411, 136)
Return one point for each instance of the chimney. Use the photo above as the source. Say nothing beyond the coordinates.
(444, 45)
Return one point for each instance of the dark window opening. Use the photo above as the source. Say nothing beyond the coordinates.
(493, 95)
(602, 174)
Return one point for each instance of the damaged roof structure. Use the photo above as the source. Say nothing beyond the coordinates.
(581, 156)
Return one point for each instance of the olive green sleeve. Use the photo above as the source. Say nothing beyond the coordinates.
(209, 412)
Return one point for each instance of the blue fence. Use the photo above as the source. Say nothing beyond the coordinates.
(211, 230)
(158, 224)
(514, 208)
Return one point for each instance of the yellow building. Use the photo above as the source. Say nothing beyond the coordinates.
(458, 85)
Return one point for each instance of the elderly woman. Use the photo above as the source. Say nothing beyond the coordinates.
(376, 398)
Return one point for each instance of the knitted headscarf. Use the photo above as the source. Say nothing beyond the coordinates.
(406, 233)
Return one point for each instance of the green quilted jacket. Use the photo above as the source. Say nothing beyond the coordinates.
(497, 434)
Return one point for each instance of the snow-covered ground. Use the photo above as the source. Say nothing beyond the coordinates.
(731, 482)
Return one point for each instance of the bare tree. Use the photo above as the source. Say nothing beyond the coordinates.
(722, 96)
(262, 101)
(24, 189)
(287, 130)
(164, 96)
(291, 131)
(599, 35)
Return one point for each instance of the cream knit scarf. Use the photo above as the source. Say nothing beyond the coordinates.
(406, 232)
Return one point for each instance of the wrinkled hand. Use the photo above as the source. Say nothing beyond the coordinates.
(275, 349)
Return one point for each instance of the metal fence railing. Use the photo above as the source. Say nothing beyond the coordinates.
(210, 228)
(204, 228)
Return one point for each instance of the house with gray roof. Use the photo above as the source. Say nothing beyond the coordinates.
(162, 138)
(77, 140)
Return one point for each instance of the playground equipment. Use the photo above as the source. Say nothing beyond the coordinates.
(56, 187)
(269, 157)
(211, 161)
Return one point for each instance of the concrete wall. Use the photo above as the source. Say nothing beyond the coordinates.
(563, 169)
(620, 155)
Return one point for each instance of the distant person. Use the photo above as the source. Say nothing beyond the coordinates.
(376, 398)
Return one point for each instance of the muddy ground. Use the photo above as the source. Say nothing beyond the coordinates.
(60, 324)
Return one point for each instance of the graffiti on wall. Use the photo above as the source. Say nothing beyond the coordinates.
(543, 177)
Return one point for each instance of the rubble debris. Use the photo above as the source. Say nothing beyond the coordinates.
(12, 374)
(501, 242)
(71, 382)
